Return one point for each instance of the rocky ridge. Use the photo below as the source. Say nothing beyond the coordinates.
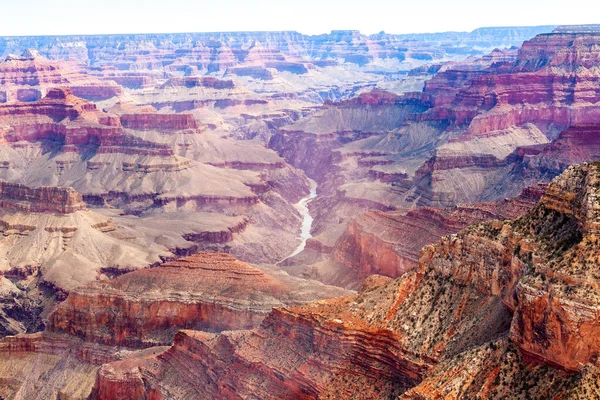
(500, 337)
(30, 76)
(71, 352)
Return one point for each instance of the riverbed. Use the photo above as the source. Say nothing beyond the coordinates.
(307, 219)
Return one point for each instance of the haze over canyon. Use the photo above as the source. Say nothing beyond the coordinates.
(273, 215)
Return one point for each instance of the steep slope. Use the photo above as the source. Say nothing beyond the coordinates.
(206, 291)
(474, 318)
(148, 163)
(481, 130)
(211, 291)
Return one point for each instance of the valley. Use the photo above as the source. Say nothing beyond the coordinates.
(273, 215)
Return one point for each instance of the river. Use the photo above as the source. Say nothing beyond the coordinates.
(307, 219)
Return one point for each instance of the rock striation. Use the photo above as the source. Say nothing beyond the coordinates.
(206, 291)
(143, 121)
(45, 199)
(481, 130)
(388, 243)
(217, 51)
(30, 76)
(201, 289)
(479, 316)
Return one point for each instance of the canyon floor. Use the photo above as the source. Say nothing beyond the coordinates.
(271, 215)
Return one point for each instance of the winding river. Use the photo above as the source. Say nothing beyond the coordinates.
(307, 219)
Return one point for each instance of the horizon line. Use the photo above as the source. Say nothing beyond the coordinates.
(297, 32)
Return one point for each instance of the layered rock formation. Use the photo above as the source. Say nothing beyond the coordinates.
(45, 199)
(481, 130)
(475, 317)
(147, 163)
(500, 309)
(206, 291)
(508, 108)
(30, 76)
(212, 291)
(219, 49)
(388, 243)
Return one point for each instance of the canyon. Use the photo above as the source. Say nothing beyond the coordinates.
(252, 215)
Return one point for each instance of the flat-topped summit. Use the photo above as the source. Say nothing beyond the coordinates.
(592, 28)
(44, 199)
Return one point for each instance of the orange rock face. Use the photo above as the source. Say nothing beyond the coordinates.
(439, 331)
(557, 314)
(388, 243)
(44, 199)
(206, 291)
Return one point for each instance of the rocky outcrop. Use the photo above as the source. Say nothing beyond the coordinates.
(479, 315)
(207, 291)
(294, 370)
(141, 306)
(508, 111)
(388, 243)
(439, 331)
(45, 199)
(556, 318)
(499, 370)
(29, 77)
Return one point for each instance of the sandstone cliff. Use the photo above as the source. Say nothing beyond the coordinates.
(207, 291)
(478, 317)
(30, 76)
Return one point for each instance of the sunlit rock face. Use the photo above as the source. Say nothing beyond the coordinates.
(131, 317)
(480, 131)
(396, 337)
(30, 76)
(207, 291)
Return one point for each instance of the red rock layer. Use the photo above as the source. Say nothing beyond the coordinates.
(388, 243)
(559, 302)
(211, 291)
(207, 291)
(443, 324)
(29, 77)
(74, 122)
(147, 121)
(517, 105)
(45, 199)
(292, 355)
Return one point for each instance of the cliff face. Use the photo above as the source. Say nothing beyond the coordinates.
(29, 77)
(159, 121)
(479, 316)
(207, 291)
(480, 130)
(260, 363)
(84, 347)
(44, 199)
(146, 162)
(506, 112)
(388, 243)
(557, 312)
